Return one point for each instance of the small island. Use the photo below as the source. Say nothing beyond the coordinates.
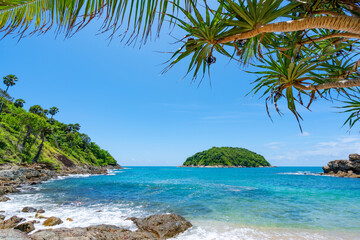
(226, 157)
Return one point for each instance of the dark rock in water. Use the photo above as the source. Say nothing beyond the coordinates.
(29, 209)
(52, 221)
(11, 222)
(4, 199)
(162, 226)
(2, 217)
(107, 232)
(40, 211)
(13, 234)
(344, 168)
(26, 227)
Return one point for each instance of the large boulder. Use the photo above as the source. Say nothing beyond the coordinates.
(29, 209)
(52, 221)
(26, 227)
(162, 226)
(11, 222)
(107, 232)
(13, 234)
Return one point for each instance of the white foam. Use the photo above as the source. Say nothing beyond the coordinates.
(307, 173)
(82, 216)
(211, 230)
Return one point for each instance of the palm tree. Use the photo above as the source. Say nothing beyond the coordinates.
(304, 49)
(53, 111)
(9, 81)
(19, 103)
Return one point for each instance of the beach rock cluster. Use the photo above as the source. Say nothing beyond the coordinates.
(153, 227)
(344, 168)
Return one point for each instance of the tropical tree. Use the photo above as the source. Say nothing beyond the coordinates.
(19, 103)
(37, 109)
(44, 132)
(304, 49)
(9, 81)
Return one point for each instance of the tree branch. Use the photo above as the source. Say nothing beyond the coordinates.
(342, 23)
(328, 85)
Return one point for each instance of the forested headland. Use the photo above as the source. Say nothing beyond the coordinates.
(35, 136)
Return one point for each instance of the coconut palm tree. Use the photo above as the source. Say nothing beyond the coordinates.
(9, 81)
(305, 49)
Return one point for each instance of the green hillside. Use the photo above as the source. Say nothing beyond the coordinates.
(36, 137)
(227, 156)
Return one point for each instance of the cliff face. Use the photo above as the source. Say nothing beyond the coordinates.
(344, 168)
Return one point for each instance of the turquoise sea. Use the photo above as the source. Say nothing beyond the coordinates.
(222, 203)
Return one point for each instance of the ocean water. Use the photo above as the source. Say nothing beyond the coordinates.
(222, 203)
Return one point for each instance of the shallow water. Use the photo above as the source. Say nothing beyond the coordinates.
(222, 203)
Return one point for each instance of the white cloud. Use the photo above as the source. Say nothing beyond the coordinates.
(274, 145)
(304, 134)
(314, 154)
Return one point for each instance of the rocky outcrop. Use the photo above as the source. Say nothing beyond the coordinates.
(12, 176)
(344, 168)
(52, 221)
(162, 226)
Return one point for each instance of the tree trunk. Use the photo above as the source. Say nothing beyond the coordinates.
(342, 23)
(25, 138)
(36, 158)
(3, 98)
(328, 85)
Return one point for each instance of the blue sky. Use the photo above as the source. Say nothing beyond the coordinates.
(121, 100)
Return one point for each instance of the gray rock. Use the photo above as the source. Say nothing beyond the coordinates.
(29, 209)
(107, 232)
(26, 227)
(13, 234)
(162, 226)
(11, 222)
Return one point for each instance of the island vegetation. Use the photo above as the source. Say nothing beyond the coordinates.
(35, 136)
(226, 157)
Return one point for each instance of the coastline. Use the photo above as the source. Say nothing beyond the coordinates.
(14, 179)
(86, 218)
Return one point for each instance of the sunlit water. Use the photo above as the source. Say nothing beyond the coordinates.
(230, 203)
